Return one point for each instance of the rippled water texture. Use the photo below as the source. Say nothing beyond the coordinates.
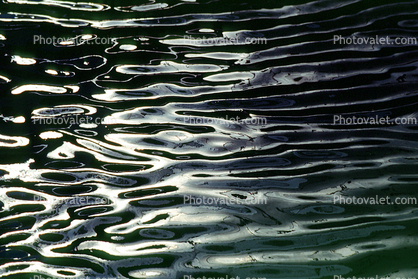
(110, 199)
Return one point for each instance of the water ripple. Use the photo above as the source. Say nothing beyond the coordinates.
(198, 138)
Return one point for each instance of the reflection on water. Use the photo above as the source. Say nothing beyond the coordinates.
(138, 140)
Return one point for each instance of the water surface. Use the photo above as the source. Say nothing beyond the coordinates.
(115, 199)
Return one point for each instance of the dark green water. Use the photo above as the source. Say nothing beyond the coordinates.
(124, 198)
